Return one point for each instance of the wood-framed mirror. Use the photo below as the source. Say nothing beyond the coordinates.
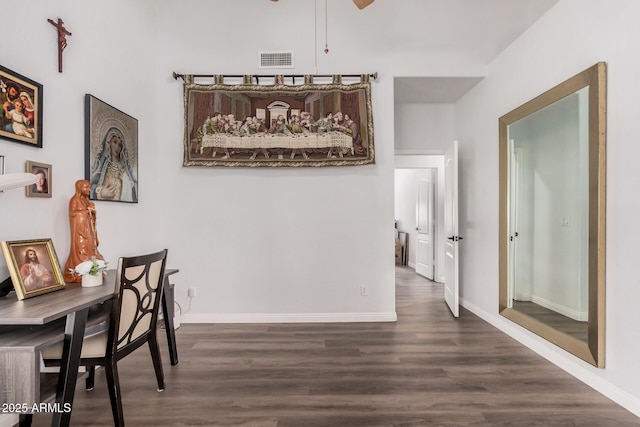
(552, 215)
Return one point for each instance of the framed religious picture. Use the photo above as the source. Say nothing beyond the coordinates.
(33, 266)
(21, 115)
(42, 187)
(111, 152)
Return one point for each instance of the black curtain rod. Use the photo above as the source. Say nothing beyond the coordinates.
(257, 76)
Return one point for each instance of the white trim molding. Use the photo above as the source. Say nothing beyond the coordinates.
(289, 318)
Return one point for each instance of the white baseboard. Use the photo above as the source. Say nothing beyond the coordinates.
(290, 318)
(580, 316)
(577, 368)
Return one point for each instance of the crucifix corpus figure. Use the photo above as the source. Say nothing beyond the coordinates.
(62, 39)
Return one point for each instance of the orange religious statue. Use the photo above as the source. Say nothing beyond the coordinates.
(84, 237)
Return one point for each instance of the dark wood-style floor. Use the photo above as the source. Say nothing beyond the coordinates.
(577, 329)
(428, 369)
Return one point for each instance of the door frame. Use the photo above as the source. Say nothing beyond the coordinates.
(431, 161)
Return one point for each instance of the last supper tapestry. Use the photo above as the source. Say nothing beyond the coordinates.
(277, 125)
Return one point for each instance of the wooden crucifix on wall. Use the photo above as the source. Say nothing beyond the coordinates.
(62, 39)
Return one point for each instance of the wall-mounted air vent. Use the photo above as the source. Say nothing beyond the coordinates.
(280, 59)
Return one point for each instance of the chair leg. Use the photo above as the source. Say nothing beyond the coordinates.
(157, 362)
(113, 384)
(25, 420)
(89, 382)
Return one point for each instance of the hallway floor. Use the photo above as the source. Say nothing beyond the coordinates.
(427, 369)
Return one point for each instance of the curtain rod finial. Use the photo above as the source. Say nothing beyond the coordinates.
(375, 75)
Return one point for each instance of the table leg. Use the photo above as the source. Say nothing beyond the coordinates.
(168, 324)
(73, 337)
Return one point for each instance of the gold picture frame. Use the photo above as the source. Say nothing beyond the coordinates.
(33, 266)
(42, 187)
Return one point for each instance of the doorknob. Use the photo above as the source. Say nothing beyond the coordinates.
(455, 238)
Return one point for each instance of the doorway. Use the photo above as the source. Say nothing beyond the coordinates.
(419, 211)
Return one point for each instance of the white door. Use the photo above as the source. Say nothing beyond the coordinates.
(425, 226)
(451, 228)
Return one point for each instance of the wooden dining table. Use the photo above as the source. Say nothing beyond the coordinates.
(29, 325)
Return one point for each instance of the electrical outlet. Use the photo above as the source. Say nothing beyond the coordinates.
(192, 292)
(364, 291)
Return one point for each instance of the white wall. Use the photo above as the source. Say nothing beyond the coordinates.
(278, 244)
(284, 244)
(270, 244)
(109, 61)
(423, 128)
(571, 37)
(108, 56)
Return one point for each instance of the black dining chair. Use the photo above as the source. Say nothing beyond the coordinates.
(132, 323)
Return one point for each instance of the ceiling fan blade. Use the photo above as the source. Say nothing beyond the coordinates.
(362, 3)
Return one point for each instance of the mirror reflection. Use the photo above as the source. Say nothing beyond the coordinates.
(552, 196)
(549, 205)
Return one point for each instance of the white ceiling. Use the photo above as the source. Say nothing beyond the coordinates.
(481, 28)
(452, 31)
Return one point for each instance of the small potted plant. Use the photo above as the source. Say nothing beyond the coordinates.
(91, 271)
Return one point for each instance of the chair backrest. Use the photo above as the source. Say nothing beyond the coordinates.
(137, 301)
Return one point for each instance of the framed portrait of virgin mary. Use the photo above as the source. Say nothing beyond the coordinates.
(111, 152)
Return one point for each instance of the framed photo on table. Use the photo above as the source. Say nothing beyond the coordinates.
(21, 103)
(33, 266)
(111, 152)
(42, 187)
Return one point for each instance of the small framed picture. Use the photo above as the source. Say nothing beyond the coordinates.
(33, 266)
(42, 187)
(21, 103)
